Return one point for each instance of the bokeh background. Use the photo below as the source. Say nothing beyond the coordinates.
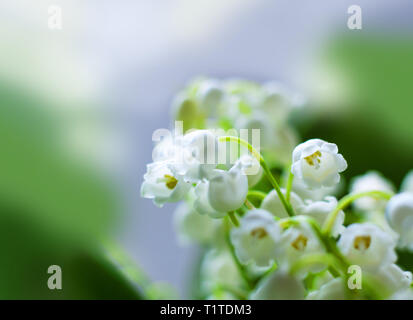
(78, 107)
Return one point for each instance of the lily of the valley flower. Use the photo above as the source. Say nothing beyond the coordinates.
(273, 204)
(368, 246)
(298, 241)
(162, 184)
(399, 214)
(318, 163)
(201, 203)
(227, 190)
(256, 238)
(370, 181)
(319, 210)
(279, 285)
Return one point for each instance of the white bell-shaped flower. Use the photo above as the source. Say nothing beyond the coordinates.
(162, 184)
(368, 246)
(273, 204)
(318, 163)
(399, 214)
(319, 210)
(201, 203)
(227, 190)
(335, 289)
(279, 285)
(256, 238)
(370, 181)
(193, 227)
(298, 241)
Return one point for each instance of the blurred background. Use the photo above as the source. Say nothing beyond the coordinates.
(78, 107)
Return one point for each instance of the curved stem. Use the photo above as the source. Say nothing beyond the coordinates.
(256, 193)
(277, 188)
(265, 168)
(240, 267)
(347, 200)
(323, 258)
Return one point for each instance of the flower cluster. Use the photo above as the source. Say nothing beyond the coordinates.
(267, 211)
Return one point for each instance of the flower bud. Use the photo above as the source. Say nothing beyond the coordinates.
(227, 189)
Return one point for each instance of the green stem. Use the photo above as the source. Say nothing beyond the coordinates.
(347, 200)
(233, 218)
(289, 185)
(265, 168)
(257, 194)
(277, 188)
(324, 258)
(240, 267)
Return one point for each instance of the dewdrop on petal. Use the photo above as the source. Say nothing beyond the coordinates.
(319, 210)
(279, 285)
(193, 227)
(201, 203)
(318, 163)
(368, 246)
(162, 184)
(273, 204)
(256, 238)
(370, 181)
(227, 190)
(399, 214)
